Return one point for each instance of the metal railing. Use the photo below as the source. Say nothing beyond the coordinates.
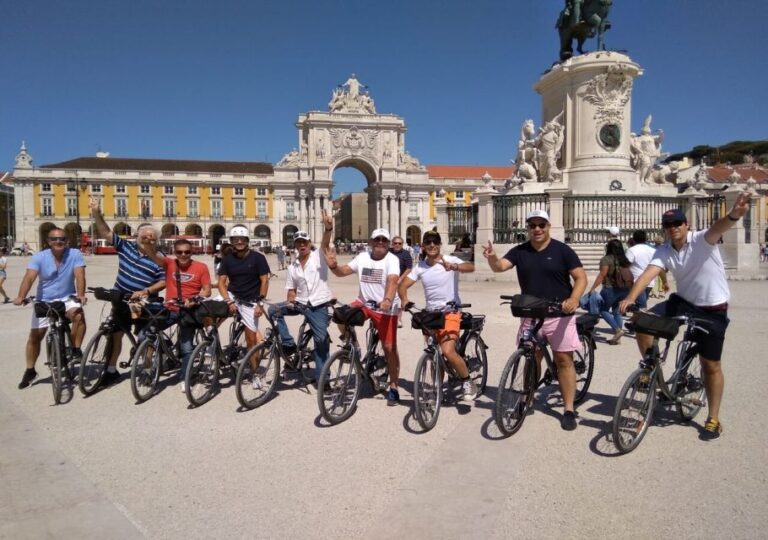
(509, 213)
(709, 210)
(462, 221)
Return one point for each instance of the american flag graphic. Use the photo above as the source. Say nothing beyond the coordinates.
(371, 275)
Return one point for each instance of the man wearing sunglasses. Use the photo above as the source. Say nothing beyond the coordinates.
(378, 273)
(62, 276)
(545, 268)
(137, 274)
(694, 260)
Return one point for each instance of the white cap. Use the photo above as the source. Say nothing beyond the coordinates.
(613, 231)
(537, 214)
(301, 235)
(380, 232)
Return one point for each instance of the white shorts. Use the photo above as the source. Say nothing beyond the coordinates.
(246, 314)
(43, 322)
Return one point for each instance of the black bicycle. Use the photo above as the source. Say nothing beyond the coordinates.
(339, 386)
(685, 389)
(259, 372)
(97, 353)
(429, 390)
(210, 360)
(521, 375)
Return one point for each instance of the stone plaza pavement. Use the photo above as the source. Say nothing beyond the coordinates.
(105, 467)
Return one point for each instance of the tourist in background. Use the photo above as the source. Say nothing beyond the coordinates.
(612, 292)
(406, 263)
(3, 275)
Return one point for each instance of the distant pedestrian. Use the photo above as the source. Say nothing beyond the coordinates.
(3, 264)
(639, 255)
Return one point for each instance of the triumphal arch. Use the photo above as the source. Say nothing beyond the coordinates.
(353, 134)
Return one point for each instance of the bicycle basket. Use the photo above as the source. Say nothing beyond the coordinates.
(472, 322)
(107, 295)
(212, 308)
(349, 315)
(43, 308)
(525, 305)
(432, 320)
(648, 323)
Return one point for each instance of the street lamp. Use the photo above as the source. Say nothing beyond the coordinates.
(75, 183)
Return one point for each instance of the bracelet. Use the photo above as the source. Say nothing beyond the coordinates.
(732, 218)
(328, 230)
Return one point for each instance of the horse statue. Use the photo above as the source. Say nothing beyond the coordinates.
(582, 19)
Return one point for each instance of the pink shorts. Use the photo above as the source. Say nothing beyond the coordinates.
(560, 332)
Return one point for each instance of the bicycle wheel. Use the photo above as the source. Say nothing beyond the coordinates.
(255, 385)
(339, 387)
(145, 370)
(477, 361)
(688, 384)
(378, 370)
(634, 410)
(94, 362)
(53, 352)
(584, 363)
(427, 390)
(306, 359)
(515, 394)
(202, 376)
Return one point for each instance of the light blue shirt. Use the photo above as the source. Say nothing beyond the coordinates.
(55, 282)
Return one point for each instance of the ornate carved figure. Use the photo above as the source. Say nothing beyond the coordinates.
(291, 159)
(548, 143)
(527, 153)
(352, 97)
(646, 149)
(609, 93)
(410, 162)
(582, 19)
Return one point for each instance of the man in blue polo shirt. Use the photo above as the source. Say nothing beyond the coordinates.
(137, 273)
(62, 275)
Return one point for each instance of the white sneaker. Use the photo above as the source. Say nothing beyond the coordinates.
(256, 383)
(183, 387)
(470, 390)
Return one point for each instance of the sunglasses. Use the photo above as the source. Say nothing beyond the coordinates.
(398, 243)
(380, 239)
(186, 252)
(673, 224)
(542, 225)
(431, 243)
(238, 239)
(57, 238)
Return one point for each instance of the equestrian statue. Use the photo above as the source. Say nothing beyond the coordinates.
(582, 19)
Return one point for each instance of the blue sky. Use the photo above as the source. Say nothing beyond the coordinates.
(226, 80)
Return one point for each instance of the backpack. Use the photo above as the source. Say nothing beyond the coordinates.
(622, 277)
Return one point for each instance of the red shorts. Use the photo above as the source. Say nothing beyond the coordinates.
(386, 325)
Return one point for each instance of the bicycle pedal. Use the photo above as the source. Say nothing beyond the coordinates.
(125, 365)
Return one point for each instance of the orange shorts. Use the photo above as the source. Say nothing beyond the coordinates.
(451, 329)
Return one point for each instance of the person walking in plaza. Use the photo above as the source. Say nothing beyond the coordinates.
(694, 260)
(545, 269)
(614, 290)
(639, 256)
(280, 252)
(439, 274)
(3, 274)
(406, 263)
(378, 272)
(137, 274)
(60, 271)
(309, 295)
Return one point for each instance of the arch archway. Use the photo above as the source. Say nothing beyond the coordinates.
(74, 232)
(215, 232)
(413, 235)
(193, 229)
(122, 229)
(262, 232)
(358, 211)
(288, 232)
(43, 231)
(169, 229)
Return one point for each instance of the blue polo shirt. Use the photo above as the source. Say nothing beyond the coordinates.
(135, 271)
(55, 282)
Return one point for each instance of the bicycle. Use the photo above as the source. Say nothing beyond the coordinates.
(637, 399)
(428, 388)
(209, 359)
(99, 348)
(255, 384)
(58, 346)
(338, 388)
(157, 352)
(520, 377)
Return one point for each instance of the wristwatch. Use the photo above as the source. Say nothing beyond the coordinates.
(733, 218)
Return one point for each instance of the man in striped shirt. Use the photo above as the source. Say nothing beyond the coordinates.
(137, 273)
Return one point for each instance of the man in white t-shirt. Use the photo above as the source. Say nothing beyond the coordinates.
(640, 255)
(439, 274)
(378, 271)
(702, 290)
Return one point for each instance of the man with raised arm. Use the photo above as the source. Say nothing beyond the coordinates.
(439, 274)
(308, 295)
(694, 260)
(61, 273)
(545, 268)
(137, 274)
(378, 273)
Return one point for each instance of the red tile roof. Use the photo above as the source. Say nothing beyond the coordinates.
(722, 173)
(169, 165)
(469, 171)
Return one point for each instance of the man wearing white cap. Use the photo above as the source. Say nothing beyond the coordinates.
(545, 268)
(378, 272)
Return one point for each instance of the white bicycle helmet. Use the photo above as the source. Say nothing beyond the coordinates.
(238, 231)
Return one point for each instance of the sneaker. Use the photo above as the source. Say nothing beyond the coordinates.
(183, 387)
(469, 390)
(256, 383)
(110, 378)
(7, 301)
(568, 422)
(712, 429)
(393, 397)
(29, 375)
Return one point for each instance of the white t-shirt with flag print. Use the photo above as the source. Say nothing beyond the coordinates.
(373, 274)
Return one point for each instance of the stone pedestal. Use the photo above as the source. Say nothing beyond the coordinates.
(595, 92)
(741, 260)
